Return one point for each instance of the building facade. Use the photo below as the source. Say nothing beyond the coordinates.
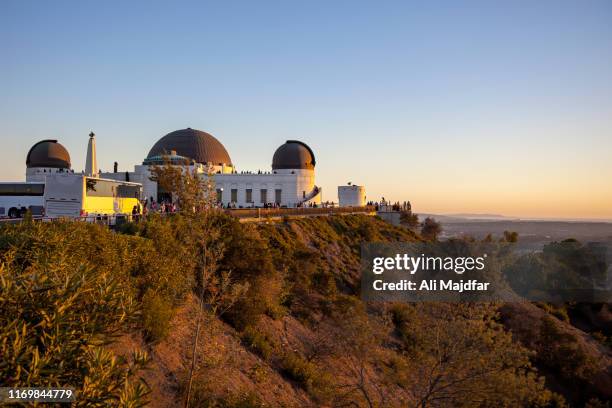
(289, 183)
(351, 196)
(44, 158)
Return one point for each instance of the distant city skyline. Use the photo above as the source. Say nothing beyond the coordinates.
(459, 107)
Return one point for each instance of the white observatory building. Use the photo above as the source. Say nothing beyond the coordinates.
(351, 195)
(44, 158)
(289, 183)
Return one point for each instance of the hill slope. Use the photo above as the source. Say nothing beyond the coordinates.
(282, 323)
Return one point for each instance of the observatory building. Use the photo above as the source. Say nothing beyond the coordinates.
(351, 195)
(44, 158)
(290, 181)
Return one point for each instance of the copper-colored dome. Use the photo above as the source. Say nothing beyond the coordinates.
(196, 145)
(48, 153)
(293, 155)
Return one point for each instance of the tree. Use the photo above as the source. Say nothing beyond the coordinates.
(195, 194)
(354, 338)
(217, 292)
(408, 219)
(431, 229)
(192, 189)
(458, 355)
(510, 236)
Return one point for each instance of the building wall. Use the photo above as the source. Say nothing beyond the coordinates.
(293, 184)
(38, 174)
(393, 217)
(351, 196)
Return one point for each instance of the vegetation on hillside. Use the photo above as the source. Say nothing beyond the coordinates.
(262, 304)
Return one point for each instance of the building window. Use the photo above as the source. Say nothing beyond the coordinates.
(277, 195)
(219, 195)
(249, 195)
(264, 195)
(234, 195)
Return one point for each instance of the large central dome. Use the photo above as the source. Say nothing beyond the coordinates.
(196, 145)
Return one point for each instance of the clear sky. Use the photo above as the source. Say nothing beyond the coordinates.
(479, 106)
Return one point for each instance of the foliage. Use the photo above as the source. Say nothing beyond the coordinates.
(355, 339)
(430, 229)
(510, 236)
(299, 369)
(67, 290)
(258, 341)
(568, 267)
(408, 219)
(205, 398)
(457, 355)
(59, 310)
(192, 190)
(156, 315)
(246, 255)
(561, 351)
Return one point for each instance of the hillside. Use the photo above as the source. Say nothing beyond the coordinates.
(282, 323)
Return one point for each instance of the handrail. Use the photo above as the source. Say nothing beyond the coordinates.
(299, 211)
(259, 213)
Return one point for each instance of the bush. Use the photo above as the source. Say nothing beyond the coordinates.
(128, 228)
(206, 392)
(156, 315)
(202, 399)
(563, 352)
(559, 311)
(62, 300)
(401, 314)
(258, 342)
(297, 368)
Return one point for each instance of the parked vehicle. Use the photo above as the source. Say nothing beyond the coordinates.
(90, 198)
(17, 198)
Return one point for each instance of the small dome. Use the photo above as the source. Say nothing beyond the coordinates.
(193, 144)
(293, 155)
(48, 153)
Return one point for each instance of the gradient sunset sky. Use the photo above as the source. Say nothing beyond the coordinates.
(460, 107)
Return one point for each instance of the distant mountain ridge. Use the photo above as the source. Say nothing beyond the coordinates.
(467, 217)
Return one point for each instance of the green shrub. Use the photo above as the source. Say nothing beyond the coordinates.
(297, 368)
(62, 300)
(203, 399)
(317, 382)
(258, 342)
(401, 314)
(562, 351)
(156, 315)
(128, 228)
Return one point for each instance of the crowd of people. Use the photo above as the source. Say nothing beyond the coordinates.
(168, 207)
(150, 205)
(384, 205)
